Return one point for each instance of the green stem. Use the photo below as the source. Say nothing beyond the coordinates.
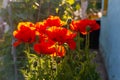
(28, 57)
(78, 41)
(28, 50)
(87, 45)
(52, 72)
(39, 68)
(88, 40)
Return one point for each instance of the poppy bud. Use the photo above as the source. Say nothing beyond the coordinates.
(69, 21)
(88, 28)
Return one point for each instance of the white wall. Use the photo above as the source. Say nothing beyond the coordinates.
(110, 39)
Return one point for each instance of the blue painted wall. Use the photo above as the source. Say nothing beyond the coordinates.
(110, 39)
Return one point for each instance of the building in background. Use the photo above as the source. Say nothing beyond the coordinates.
(110, 38)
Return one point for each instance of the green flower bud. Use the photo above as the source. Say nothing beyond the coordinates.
(69, 21)
(88, 28)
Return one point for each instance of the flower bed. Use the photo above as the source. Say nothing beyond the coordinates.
(52, 49)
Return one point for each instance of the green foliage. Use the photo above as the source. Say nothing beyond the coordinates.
(94, 5)
(76, 65)
(38, 67)
(37, 10)
(67, 8)
(70, 1)
(48, 7)
(6, 61)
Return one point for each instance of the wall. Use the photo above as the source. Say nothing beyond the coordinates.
(110, 39)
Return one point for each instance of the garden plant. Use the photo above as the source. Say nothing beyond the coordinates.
(52, 49)
(49, 41)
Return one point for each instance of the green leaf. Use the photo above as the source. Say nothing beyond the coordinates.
(70, 1)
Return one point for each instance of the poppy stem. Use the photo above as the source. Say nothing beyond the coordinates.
(78, 41)
(28, 57)
(87, 45)
(52, 72)
(39, 68)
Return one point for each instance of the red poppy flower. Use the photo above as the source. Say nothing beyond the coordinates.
(75, 25)
(50, 48)
(57, 34)
(72, 44)
(54, 21)
(40, 27)
(61, 35)
(25, 33)
(81, 26)
(60, 51)
(45, 47)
